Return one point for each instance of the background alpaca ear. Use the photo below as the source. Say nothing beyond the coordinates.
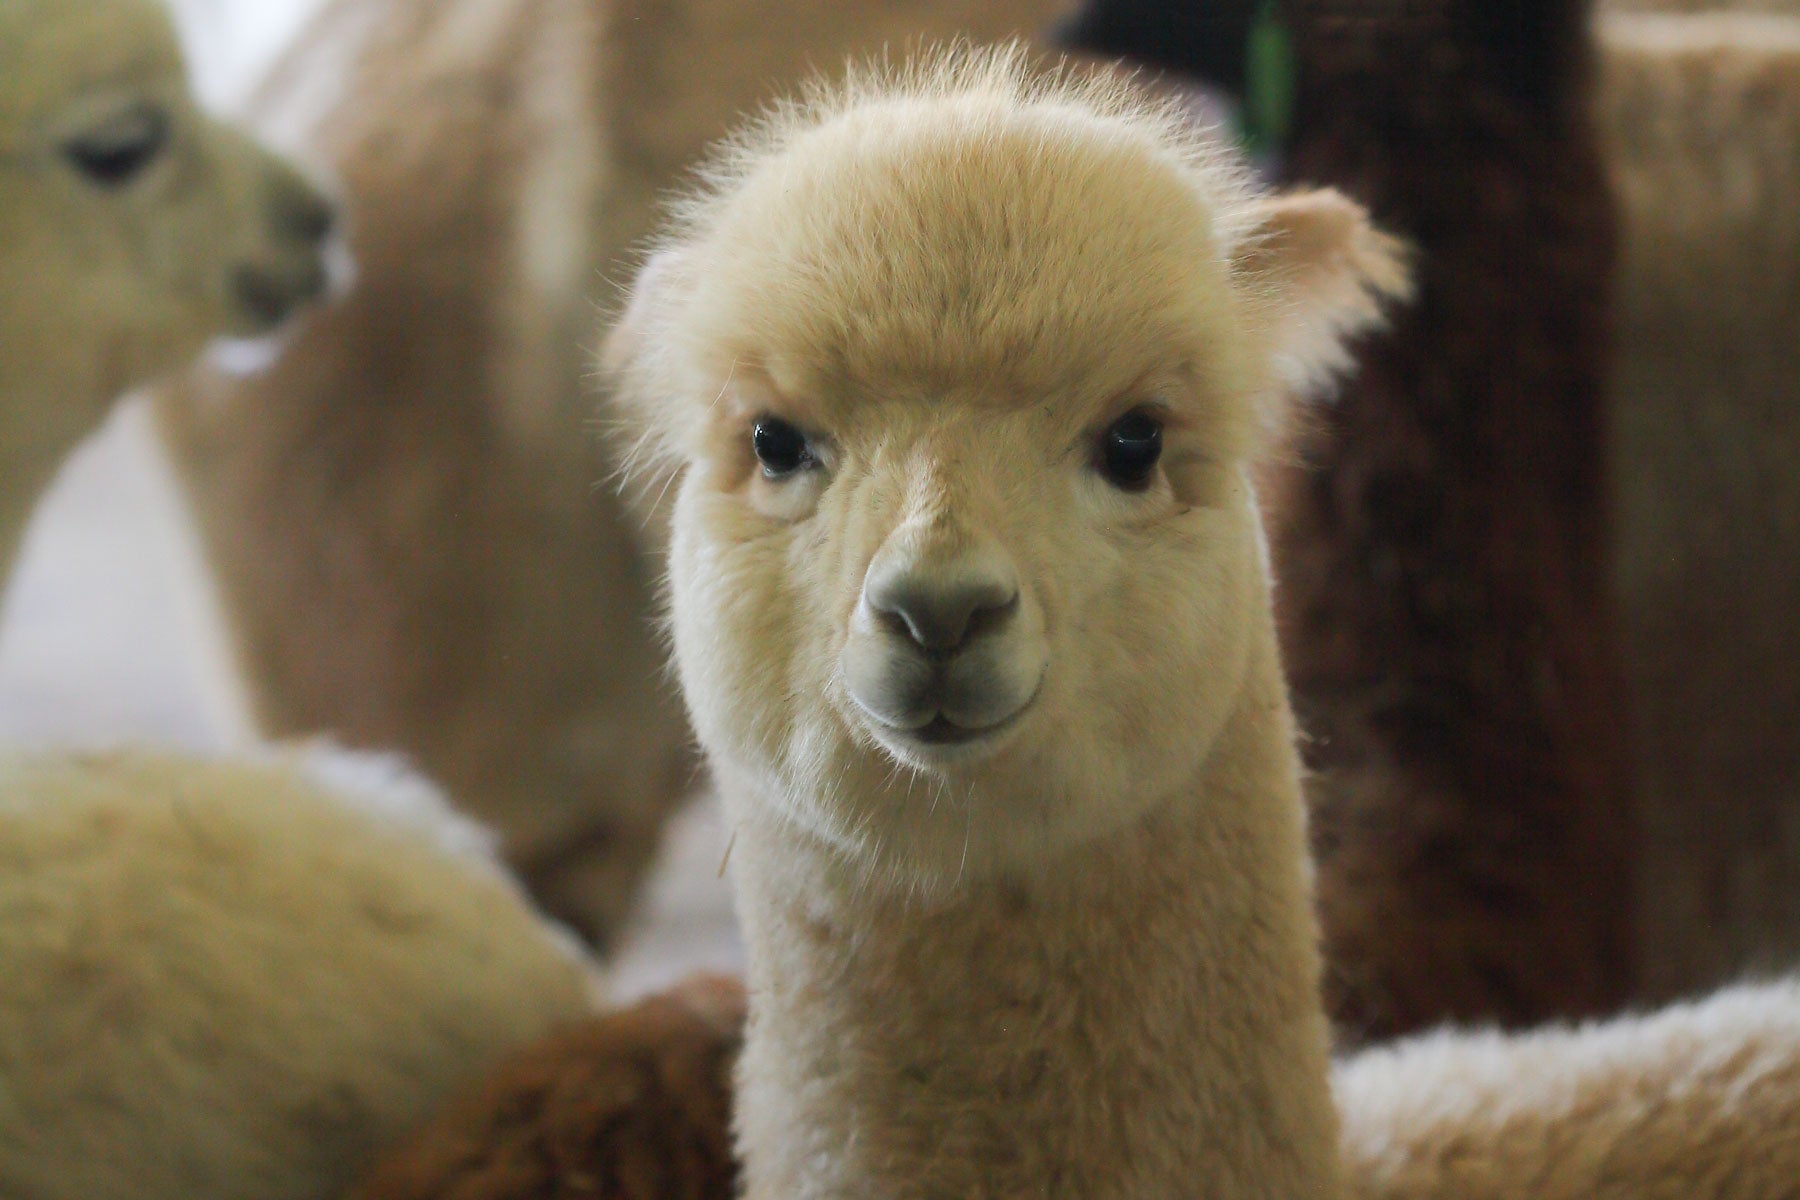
(1320, 273)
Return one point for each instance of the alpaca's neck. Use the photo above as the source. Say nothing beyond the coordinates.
(35, 438)
(52, 395)
(1140, 1020)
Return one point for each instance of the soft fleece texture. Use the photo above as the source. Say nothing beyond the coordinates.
(246, 978)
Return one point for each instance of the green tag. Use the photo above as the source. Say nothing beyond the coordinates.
(1269, 71)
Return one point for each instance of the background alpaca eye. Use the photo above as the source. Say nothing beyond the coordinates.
(780, 448)
(114, 155)
(1129, 450)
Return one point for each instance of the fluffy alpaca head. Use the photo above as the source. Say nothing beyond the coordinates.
(133, 228)
(961, 372)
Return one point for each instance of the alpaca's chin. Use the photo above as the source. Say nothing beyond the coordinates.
(933, 818)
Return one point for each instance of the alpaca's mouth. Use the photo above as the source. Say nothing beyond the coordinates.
(942, 731)
(941, 740)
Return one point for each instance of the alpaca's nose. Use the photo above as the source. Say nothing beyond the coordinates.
(298, 212)
(937, 610)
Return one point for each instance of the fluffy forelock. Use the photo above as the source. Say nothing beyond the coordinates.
(1000, 76)
(992, 93)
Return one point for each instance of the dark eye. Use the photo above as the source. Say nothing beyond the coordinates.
(780, 448)
(115, 155)
(1129, 450)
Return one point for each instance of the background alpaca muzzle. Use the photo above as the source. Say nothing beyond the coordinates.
(288, 263)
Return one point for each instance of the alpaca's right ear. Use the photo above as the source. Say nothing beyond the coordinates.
(1320, 273)
(649, 459)
(626, 338)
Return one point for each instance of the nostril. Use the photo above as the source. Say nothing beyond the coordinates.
(315, 219)
(304, 215)
(261, 295)
(940, 617)
(991, 616)
(269, 296)
(311, 283)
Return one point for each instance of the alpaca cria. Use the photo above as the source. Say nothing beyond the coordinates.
(963, 985)
(970, 606)
(132, 229)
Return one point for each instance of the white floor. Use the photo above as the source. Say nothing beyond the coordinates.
(231, 42)
(105, 633)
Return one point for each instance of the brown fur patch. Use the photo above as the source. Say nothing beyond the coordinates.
(1444, 609)
(630, 1106)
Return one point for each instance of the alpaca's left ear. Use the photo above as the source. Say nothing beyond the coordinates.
(1318, 273)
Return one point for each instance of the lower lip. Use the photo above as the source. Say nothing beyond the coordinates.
(943, 733)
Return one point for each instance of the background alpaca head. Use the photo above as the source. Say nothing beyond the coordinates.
(963, 373)
(133, 228)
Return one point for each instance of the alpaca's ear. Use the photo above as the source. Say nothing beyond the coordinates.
(647, 456)
(1320, 273)
(626, 338)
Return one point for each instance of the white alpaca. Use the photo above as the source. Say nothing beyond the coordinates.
(970, 607)
(132, 228)
(216, 979)
(959, 378)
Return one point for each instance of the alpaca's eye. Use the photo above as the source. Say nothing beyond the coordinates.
(780, 448)
(1129, 450)
(115, 154)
